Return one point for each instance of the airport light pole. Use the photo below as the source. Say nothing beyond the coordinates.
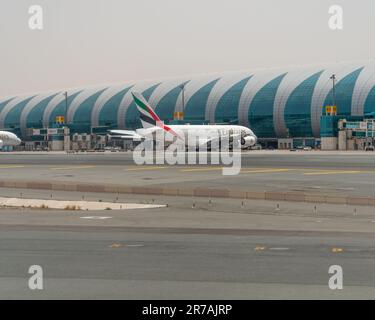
(333, 78)
(66, 107)
(183, 97)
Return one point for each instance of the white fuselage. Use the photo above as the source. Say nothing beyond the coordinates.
(246, 136)
(8, 139)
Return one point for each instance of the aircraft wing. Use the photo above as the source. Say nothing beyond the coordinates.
(126, 134)
(139, 134)
(216, 140)
(206, 142)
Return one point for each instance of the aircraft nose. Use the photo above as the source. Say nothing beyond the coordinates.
(252, 140)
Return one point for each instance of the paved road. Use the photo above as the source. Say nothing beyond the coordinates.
(79, 263)
(186, 253)
(194, 248)
(314, 172)
(313, 159)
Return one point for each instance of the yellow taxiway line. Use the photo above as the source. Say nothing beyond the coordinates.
(140, 168)
(72, 167)
(266, 170)
(202, 169)
(10, 166)
(332, 172)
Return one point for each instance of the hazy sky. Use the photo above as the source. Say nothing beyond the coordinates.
(87, 42)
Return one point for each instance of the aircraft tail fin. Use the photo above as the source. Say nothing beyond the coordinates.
(147, 115)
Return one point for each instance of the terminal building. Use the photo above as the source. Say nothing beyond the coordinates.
(284, 107)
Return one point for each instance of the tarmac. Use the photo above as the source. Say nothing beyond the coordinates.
(316, 177)
(197, 247)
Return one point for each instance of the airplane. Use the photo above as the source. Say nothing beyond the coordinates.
(8, 139)
(152, 123)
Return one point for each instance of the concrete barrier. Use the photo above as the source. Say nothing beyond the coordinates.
(315, 198)
(111, 188)
(9, 184)
(186, 192)
(138, 190)
(237, 194)
(155, 191)
(295, 196)
(333, 199)
(359, 201)
(21, 184)
(170, 191)
(190, 192)
(69, 186)
(275, 196)
(219, 193)
(201, 192)
(256, 195)
(90, 188)
(57, 187)
(124, 189)
(37, 185)
(371, 201)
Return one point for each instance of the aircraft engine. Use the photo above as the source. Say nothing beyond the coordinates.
(248, 141)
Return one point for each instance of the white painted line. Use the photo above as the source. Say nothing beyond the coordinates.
(356, 250)
(327, 172)
(96, 218)
(72, 205)
(135, 245)
(280, 249)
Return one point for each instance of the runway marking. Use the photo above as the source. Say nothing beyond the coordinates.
(255, 170)
(332, 172)
(337, 250)
(260, 248)
(145, 168)
(72, 167)
(5, 166)
(95, 217)
(202, 169)
(115, 245)
(356, 250)
(280, 249)
(266, 171)
(305, 171)
(119, 245)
